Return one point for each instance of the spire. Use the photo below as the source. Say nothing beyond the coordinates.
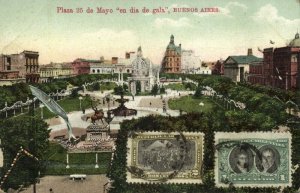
(139, 51)
(172, 39)
(297, 35)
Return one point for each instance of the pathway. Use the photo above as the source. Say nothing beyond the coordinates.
(62, 184)
(140, 103)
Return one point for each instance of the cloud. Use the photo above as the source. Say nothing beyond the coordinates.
(228, 11)
(276, 27)
(167, 22)
(91, 45)
(269, 13)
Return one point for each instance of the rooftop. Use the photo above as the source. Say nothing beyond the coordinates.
(245, 59)
(172, 46)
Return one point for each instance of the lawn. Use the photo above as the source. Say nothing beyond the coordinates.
(191, 104)
(108, 86)
(55, 162)
(68, 104)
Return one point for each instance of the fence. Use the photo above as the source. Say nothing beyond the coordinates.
(21, 107)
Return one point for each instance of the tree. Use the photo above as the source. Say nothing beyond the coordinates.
(138, 87)
(188, 86)
(74, 93)
(125, 87)
(162, 90)
(155, 90)
(118, 90)
(96, 86)
(198, 92)
(32, 134)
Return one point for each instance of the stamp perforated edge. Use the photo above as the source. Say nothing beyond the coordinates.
(258, 135)
(171, 181)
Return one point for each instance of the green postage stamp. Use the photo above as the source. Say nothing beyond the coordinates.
(157, 157)
(256, 159)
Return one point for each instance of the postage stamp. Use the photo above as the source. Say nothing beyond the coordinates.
(257, 159)
(157, 157)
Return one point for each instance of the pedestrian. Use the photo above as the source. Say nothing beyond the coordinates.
(150, 104)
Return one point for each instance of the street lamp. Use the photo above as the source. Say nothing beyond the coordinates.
(5, 109)
(201, 104)
(42, 111)
(80, 98)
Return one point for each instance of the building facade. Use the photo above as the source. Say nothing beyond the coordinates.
(142, 73)
(82, 66)
(52, 71)
(286, 64)
(101, 68)
(171, 62)
(24, 65)
(189, 61)
(237, 67)
(256, 73)
(280, 67)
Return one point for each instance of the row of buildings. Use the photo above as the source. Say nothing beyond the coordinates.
(25, 67)
(278, 68)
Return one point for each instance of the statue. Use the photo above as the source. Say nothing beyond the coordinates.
(98, 114)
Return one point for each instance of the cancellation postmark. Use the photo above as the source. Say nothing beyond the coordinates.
(256, 159)
(158, 157)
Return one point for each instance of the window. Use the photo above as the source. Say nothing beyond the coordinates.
(93, 71)
(98, 71)
(294, 58)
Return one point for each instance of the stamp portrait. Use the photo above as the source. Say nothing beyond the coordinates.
(156, 157)
(257, 159)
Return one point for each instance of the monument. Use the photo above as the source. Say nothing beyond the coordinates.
(141, 72)
(53, 107)
(122, 110)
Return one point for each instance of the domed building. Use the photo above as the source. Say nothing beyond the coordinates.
(142, 72)
(295, 42)
(286, 61)
(171, 62)
(281, 66)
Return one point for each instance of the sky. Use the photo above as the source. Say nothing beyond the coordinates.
(63, 37)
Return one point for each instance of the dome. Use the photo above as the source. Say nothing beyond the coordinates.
(296, 41)
(171, 47)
